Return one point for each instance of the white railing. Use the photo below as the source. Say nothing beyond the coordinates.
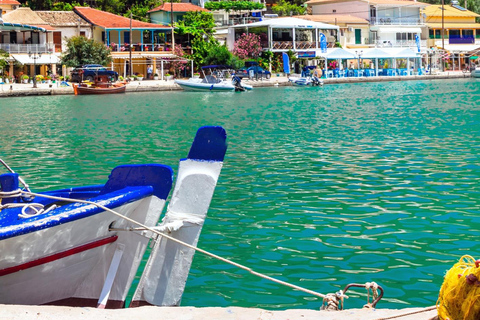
(396, 21)
(398, 43)
(26, 48)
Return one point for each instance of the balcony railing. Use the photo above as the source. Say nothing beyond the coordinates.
(397, 43)
(235, 21)
(141, 47)
(396, 21)
(26, 48)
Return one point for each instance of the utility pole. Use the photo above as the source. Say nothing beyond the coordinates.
(130, 47)
(171, 18)
(443, 34)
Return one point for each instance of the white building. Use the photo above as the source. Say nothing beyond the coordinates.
(392, 23)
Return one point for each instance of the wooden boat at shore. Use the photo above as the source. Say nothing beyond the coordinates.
(101, 85)
(82, 246)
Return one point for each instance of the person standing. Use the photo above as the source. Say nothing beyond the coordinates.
(149, 72)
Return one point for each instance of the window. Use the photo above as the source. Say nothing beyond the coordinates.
(103, 36)
(126, 37)
(13, 37)
(83, 34)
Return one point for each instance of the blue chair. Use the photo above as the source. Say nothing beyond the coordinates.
(350, 73)
(391, 72)
(345, 73)
(329, 73)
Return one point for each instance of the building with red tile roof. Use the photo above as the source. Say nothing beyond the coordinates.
(177, 7)
(109, 20)
(163, 13)
(8, 5)
(146, 43)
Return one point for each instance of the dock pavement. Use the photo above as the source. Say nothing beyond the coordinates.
(26, 89)
(17, 312)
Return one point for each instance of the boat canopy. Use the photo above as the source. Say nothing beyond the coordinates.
(217, 67)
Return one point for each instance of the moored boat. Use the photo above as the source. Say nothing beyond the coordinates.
(82, 246)
(476, 72)
(101, 85)
(214, 79)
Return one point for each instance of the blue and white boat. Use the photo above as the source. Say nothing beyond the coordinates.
(476, 72)
(214, 79)
(306, 79)
(82, 246)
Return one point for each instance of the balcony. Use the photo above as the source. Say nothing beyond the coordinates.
(26, 48)
(396, 21)
(397, 43)
(235, 21)
(141, 47)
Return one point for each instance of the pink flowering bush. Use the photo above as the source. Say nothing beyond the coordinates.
(179, 64)
(247, 46)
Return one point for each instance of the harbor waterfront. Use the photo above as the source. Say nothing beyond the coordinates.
(321, 187)
(24, 89)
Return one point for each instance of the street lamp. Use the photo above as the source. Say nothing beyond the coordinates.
(359, 55)
(34, 56)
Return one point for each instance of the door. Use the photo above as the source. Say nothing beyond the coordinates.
(57, 41)
(358, 36)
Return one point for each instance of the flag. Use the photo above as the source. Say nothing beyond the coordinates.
(286, 63)
(323, 43)
(417, 40)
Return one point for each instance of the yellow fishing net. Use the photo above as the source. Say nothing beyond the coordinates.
(459, 297)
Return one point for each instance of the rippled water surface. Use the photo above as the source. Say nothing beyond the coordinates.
(321, 187)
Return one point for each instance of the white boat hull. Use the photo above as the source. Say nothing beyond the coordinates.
(476, 73)
(70, 261)
(200, 86)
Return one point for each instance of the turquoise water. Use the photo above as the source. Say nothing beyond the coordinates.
(321, 187)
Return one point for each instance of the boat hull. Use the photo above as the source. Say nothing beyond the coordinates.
(69, 262)
(79, 90)
(199, 86)
(476, 73)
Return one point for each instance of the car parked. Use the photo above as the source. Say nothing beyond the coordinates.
(253, 72)
(89, 71)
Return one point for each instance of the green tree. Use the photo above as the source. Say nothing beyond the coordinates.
(3, 59)
(81, 50)
(113, 6)
(285, 8)
(198, 26)
(65, 6)
(218, 54)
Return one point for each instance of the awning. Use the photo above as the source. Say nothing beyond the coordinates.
(339, 53)
(473, 57)
(407, 53)
(46, 58)
(376, 53)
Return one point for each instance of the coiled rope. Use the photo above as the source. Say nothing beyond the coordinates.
(19, 192)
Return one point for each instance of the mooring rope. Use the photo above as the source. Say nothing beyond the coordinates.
(251, 271)
(408, 314)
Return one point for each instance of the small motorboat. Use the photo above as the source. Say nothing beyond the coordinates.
(101, 85)
(305, 81)
(476, 72)
(82, 246)
(215, 78)
(306, 78)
